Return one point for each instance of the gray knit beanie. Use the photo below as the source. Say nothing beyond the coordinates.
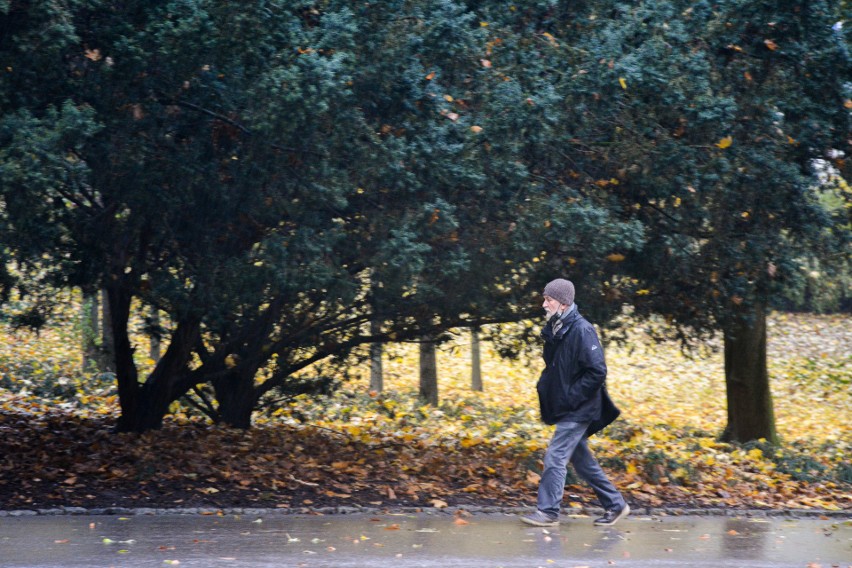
(560, 290)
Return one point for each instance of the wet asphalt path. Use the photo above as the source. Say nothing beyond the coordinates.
(419, 540)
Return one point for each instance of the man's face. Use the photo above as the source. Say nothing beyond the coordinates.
(551, 306)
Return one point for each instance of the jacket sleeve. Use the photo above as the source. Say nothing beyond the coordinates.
(591, 369)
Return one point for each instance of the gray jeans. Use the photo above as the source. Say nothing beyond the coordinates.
(569, 443)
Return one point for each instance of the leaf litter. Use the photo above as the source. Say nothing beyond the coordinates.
(388, 449)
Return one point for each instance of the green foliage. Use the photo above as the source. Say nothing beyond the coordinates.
(273, 177)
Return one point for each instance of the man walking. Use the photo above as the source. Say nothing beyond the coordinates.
(572, 395)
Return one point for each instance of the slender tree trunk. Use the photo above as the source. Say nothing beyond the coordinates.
(90, 313)
(117, 306)
(154, 350)
(475, 362)
(107, 334)
(376, 349)
(750, 411)
(428, 371)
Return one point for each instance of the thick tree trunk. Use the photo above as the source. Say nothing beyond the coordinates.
(237, 399)
(164, 384)
(750, 411)
(143, 406)
(475, 361)
(428, 372)
(376, 372)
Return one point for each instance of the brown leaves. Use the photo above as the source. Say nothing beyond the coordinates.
(389, 450)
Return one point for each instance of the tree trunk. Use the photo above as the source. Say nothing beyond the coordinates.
(143, 406)
(428, 372)
(750, 412)
(164, 384)
(154, 349)
(117, 307)
(376, 372)
(90, 312)
(475, 362)
(107, 334)
(237, 399)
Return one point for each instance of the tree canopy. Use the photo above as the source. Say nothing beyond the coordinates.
(274, 177)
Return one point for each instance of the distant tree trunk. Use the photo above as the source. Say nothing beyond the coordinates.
(107, 335)
(154, 350)
(750, 412)
(428, 371)
(376, 372)
(90, 312)
(475, 362)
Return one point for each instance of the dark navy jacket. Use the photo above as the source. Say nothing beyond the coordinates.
(572, 384)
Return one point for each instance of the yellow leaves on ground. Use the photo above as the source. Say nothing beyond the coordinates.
(481, 447)
(725, 142)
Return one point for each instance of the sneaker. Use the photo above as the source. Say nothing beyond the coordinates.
(612, 516)
(541, 519)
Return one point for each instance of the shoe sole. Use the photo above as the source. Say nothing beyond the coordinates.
(540, 523)
(624, 512)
